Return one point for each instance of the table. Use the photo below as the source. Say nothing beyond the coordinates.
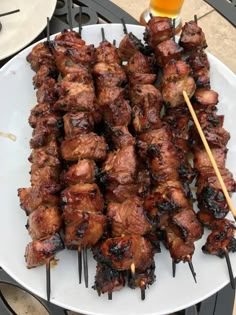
(105, 11)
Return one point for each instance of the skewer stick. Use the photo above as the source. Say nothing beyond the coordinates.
(231, 276)
(10, 12)
(173, 26)
(173, 268)
(103, 35)
(109, 295)
(195, 18)
(69, 8)
(48, 30)
(208, 150)
(151, 15)
(80, 20)
(124, 26)
(48, 279)
(114, 42)
(80, 264)
(192, 270)
(85, 263)
(142, 287)
(132, 269)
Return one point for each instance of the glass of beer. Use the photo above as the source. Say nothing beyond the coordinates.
(169, 8)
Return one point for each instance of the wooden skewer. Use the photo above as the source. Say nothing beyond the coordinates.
(80, 20)
(211, 157)
(173, 268)
(69, 8)
(132, 268)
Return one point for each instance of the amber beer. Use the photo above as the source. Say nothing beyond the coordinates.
(170, 8)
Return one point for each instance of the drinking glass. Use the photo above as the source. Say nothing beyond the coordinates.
(169, 8)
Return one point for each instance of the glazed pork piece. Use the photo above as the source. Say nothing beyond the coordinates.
(38, 252)
(121, 137)
(129, 45)
(47, 155)
(107, 53)
(146, 103)
(83, 229)
(120, 166)
(76, 93)
(139, 70)
(166, 51)
(44, 221)
(120, 252)
(48, 127)
(85, 197)
(192, 37)
(221, 239)
(31, 198)
(83, 171)
(176, 79)
(158, 30)
(205, 99)
(40, 55)
(199, 63)
(108, 280)
(84, 146)
(77, 123)
(108, 75)
(128, 217)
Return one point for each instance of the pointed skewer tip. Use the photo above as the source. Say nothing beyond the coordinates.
(231, 276)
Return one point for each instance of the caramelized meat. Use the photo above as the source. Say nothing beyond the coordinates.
(128, 217)
(106, 52)
(108, 75)
(158, 30)
(120, 166)
(205, 99)
(38, 252)
(117, 113)
(108, 280)
(128, 46)
(192, 37)
(44, 176)
(85, 197)
(187, 224)
(31, 198)
(77, 123)
(167, 51)
(84, 146)
(120, 252)
(179, 249)
(37, 111)
(40, 55)
(47, 155)
(121, 137)
(166, 198)
(176, 79)
(76, 93)
(44, 221)
(82, 172)
(142, 279)
(139, 70)
(83, 229)
(221, 239)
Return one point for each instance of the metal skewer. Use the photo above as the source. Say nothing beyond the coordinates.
(9, 12)
(48, 279)
(69, 8)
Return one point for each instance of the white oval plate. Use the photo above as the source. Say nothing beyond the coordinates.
(167, 294)
(19, 29)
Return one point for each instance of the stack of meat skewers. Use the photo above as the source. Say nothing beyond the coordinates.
(117, 177)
